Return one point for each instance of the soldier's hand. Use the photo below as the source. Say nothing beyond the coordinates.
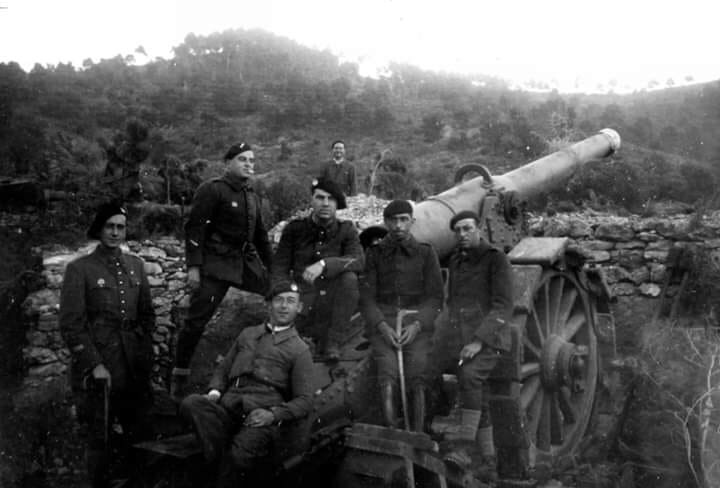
(259, 417)
(101, 373)
(193, 277)
(312, 272)
(470, 350)
(389, 334)
(409, 333)
(213, 395)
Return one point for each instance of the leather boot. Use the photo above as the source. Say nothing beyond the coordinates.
(463, 448)
(178, 381)
(486, 471)
(418, 408)
(388, 395)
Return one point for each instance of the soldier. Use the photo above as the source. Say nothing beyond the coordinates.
(325, 253)
(480, 306)
(224, 225)
(341, 171)
(263, 380)
(106, 319)
(401, 273)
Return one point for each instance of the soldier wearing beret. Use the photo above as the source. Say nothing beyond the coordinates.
(106, 318)
(341, 171)
(401, 273)
(224, 224)
(324, 255)
(480, 307)
(264, 379)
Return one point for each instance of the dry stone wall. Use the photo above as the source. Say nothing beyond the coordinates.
(46, 355)
(632, 250)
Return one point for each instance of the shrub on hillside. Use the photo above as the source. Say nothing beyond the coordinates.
(287, 195)
(614, 182)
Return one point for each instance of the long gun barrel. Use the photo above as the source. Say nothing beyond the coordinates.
(433, 215)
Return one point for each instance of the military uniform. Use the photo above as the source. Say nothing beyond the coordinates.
(224, 223)
(106, 317)
(401, 275)
(343, 174)
(480, 307)
(262, 369)
(332, 299)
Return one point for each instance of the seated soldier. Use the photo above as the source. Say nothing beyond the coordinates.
(401, 274)
(325, 253)
(264, 379)
(480, 307)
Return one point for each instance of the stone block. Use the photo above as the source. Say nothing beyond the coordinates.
(657, 272)
(152, 268)
(51, 369)
(152, 253)
(617, 230)
(650, 290)
(156, 281)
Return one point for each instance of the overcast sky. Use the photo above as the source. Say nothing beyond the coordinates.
(569, 44)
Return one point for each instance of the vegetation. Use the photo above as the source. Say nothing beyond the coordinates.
(85, 129)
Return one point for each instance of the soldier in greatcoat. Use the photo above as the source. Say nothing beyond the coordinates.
(323, 255)
(401, 274)
(480, 306)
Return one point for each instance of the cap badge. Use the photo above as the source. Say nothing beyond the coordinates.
(315, 182)
(293, 287)
(100, 282)
(234, 204)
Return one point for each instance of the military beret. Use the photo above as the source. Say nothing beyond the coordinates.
(236, 149)
(104, 212)
(371, 233)
(332, 146)
(397, 207)
(465, 214)
(332, 188)
(283, 286)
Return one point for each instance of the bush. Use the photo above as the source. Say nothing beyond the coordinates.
(615, 182)
(287, 196)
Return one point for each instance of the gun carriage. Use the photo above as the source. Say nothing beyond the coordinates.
(543, 391)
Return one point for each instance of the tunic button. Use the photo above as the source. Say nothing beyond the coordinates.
(122, 292)
(122, 301)
(117, 263)
(119, 272)
(120, 282)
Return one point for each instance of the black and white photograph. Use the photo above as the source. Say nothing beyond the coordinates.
(355, 244)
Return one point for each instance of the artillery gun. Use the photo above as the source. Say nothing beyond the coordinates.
(543, 391)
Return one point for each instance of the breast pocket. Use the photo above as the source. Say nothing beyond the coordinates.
(102, 296)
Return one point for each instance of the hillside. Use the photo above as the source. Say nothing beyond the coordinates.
(64, 125)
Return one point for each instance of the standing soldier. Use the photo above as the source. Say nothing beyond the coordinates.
(340, 170)
(324, 255)
(225, 225)
(401, 274)
(106, 319)
(480, 306)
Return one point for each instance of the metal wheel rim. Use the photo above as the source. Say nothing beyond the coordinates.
(558, 329)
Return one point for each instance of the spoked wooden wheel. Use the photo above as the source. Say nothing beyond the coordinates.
(560, 367)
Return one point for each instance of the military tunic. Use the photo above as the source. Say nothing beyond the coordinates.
(262, 369)
(106, 317)
(334, 295)
(401, 275)
(225, 222)
(343, 174)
